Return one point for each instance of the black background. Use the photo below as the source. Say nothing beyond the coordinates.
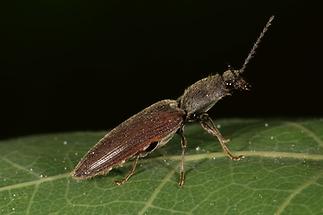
(88, 65)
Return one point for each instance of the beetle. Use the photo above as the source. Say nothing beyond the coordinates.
(154, 126)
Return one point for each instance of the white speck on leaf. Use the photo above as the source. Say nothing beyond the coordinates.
(166, 162)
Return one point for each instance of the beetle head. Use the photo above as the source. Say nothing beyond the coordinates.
(202, 95)
(233, 80)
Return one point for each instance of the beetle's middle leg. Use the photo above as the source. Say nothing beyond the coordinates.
(208, 125)
(183, 145)
(130, 173)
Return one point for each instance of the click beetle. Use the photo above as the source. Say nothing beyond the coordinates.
(154, 126)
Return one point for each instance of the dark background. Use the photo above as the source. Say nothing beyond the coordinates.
(88, 65)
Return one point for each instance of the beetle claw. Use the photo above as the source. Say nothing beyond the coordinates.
(237, 158)
(181, 179)
(119, 182)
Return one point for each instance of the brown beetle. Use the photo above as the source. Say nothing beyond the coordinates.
(154, 126)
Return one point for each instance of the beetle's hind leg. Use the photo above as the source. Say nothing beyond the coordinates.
(208, 125)
(183, 145)
(130, 173)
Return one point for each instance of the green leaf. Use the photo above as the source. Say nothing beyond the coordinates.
(281, 174)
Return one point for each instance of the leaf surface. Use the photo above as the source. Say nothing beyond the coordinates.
(281, 174)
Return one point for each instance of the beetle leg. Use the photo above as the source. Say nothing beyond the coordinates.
(130, 173)
(183, 145)
(208, 125)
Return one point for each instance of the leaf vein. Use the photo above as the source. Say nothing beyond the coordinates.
(308, 132)
(169, 210)
(31, 201)
(31, 183)
(18, 166)
(298, 190)
(156, 192)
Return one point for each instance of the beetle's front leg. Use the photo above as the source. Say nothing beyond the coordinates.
(208, 125)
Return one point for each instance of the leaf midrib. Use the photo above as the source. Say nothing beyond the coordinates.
(195, 157)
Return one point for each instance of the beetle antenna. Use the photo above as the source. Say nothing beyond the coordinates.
(255, 45)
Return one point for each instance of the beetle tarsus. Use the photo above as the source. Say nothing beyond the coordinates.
(119, 182)
(208, 125)
(181, 179)
(130, 173)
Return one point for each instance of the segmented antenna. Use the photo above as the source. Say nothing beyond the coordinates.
(255, 45)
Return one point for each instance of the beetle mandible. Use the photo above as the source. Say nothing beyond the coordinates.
(154, 126)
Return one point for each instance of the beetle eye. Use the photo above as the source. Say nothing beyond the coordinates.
(229, 85)
(247, 86)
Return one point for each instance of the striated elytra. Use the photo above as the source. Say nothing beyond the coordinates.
(154, 126)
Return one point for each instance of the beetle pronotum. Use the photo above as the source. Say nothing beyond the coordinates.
(154, 126)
